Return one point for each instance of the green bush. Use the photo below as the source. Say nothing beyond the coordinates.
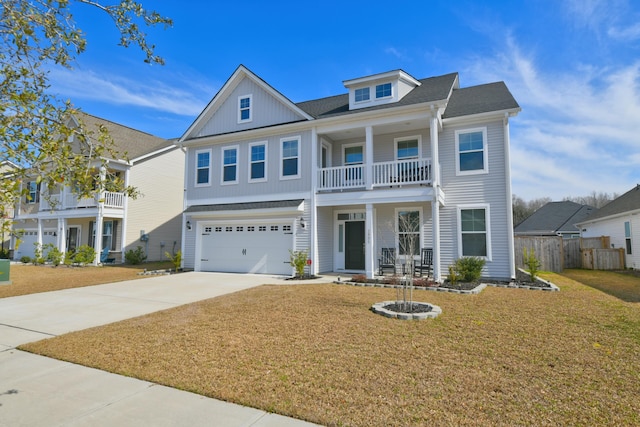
(532, 263)
(469, 269)
(84, 255)
(4, 253)
(37, 254)
(176, 259)
(25, 259)
(135, 256)
(298, 259)
(54, 255)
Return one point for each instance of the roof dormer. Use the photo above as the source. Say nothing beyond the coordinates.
(379, 89)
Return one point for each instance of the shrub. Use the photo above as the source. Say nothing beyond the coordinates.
(69, 257)
(135, 256)
(298, 259)
(54, 255)
(37, 254)
(453, 275)
(176, 259)
(84, 255)
(532, 263)
(468, 269)
(25, 259)
(4, 253)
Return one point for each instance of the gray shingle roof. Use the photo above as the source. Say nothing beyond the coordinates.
(134, 142)
(471, 100)
(629, 201)
(244, 206)
(480, 99)
(554, 218)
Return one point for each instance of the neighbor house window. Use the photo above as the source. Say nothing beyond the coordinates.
(408, 227)
(471, 151)
(383, 90)
(203, 167)
(244, 108)
(290, 154)
(361, 94)
(109, 229)
(627, 236)
(258, 161)
(230, 165)
(473, 237)
(34, 192)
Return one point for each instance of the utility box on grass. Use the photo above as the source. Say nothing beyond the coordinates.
(5, 266)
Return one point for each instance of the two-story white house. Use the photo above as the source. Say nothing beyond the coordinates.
(334, 176)
(153, 165)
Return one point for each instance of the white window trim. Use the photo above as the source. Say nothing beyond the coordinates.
(407, 138)
(222, 165)
(487, 217)
(355, 144)
(240, 98)
(266, 157)
(195, 178)
(397, 229)
(328, 148)
(282, 140)
(485, 150)
(375, 90)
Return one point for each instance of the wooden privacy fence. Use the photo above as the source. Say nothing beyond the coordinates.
(555, 253)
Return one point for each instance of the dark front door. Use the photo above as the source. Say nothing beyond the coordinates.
(354, 245)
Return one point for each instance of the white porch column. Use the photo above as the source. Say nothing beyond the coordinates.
(313, 232)
(99, 220)
(369, 235)
(40, 232)
(368, 157)
(61, 240)
(507, 168)
(435, 203)
(125, 214)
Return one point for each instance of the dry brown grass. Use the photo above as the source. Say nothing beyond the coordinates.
(624, 285)
(315, 352)
(32, 279)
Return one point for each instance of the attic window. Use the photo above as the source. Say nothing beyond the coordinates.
(244, 108)
(362, 94)
(383, 90)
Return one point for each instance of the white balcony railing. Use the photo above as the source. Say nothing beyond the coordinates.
(71, 201)
(395, 173)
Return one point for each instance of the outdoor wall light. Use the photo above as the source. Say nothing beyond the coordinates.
(189, 225)
(302, 223)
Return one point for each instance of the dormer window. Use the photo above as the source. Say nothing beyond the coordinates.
(362, 94)
(383, 90)
(245, 104)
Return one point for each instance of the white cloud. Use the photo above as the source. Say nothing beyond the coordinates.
(578, 131)
(118, 90)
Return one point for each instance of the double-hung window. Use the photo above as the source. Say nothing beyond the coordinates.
(245, 103)
(109, 232)
(407, 154)
(230, 165)
(473, 237)
(203, 168)
(408, 227)
(290, 155)
(627, 236)
(354, 157)
(258, 161)
(34, 192)
(471, 151)
(383, 90)
(361, 95)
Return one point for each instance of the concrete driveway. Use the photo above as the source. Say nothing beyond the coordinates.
(39, 391)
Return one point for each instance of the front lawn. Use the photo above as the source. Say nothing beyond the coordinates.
(32, 279)
(504, 357)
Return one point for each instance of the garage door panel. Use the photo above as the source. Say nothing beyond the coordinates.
(247, 248)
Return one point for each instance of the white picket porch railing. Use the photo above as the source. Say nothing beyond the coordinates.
(394, 173)
(66, 201)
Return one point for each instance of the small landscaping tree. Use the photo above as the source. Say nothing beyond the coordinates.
(176, 259)
(298, 260)
(54, 255)
(532, 263)
(84, 255)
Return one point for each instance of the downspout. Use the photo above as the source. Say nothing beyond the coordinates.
(313, 244)
(507, 172)
(184, 230)
(435, 203)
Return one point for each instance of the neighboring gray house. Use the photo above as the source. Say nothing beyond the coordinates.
(335, 176)
(155, 166)
(555, 219)
(620, 220)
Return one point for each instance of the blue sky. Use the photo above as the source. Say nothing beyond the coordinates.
(573, 66)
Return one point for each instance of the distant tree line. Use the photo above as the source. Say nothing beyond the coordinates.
(523, 209)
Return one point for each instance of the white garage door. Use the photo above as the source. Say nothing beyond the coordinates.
(247, 247)
(27, 247)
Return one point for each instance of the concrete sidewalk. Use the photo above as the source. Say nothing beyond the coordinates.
(39, 391)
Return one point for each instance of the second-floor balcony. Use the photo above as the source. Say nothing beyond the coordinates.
(380, 174)
(65, 201)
